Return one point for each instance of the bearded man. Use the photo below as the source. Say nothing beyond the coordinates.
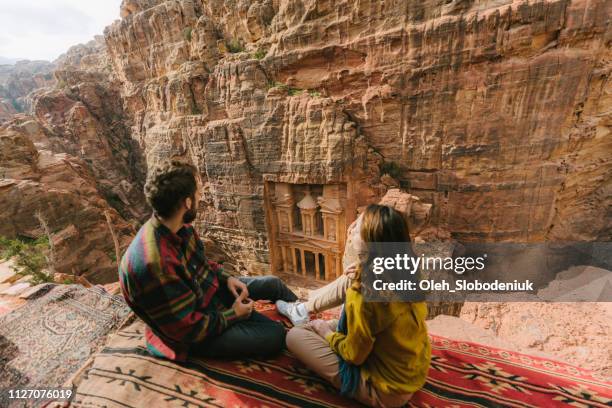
(189, 303)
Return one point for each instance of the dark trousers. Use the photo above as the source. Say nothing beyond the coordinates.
(257, 336)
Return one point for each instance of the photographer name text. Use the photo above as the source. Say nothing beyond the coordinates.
(456, 286)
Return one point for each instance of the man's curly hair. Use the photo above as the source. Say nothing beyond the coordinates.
(168, 184)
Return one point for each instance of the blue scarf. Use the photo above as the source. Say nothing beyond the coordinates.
(350, 375)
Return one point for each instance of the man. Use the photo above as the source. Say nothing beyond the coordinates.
(190, 304)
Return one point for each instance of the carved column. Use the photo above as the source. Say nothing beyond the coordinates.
(293, 261)
(285, 259)
(303, 261)
(308, 208)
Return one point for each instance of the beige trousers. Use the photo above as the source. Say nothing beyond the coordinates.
(329, 296)
(314, 351)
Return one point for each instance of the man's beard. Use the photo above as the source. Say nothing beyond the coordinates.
(190, 214)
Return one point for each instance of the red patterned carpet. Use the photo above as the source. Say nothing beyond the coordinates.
(461, 375)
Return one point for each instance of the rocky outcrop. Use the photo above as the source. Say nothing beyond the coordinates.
(84, 117)
(561, 320)
(7, 110)
(74, 163)
(36, 183)
(574, 332)
(494, 112)
(18, 81)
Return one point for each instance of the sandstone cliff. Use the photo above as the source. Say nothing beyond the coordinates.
(18, 81)
(74, 163)
(35, 181)
(496, 112)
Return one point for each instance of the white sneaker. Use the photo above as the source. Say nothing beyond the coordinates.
(296, 312)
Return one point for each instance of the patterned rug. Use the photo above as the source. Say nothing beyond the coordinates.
(48, 339)
(461, 375)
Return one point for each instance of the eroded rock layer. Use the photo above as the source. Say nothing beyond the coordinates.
(73, 166)
(18, 81)
(496, 112)
(45, 192)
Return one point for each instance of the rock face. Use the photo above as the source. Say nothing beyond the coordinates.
(84, 117)
(576, 332)
(494, 112)
(18, 81)
(74, 163)
(497, 113)
(36, 182)
(7, 110)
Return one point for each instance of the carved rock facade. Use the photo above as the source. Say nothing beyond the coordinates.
(494, 112)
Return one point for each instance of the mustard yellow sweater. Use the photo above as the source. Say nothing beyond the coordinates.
(388, 340)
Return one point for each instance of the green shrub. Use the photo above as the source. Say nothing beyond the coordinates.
(290, 90)
(279, 85)
(234, 46)
(294, 91)
(29, 256)
(314, 93)
(112, 255)
(187, 33)
(260, 54)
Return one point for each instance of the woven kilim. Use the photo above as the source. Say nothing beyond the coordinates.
(461, 375)
(45, 341)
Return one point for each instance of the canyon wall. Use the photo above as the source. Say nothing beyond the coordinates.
(71, 169)
(496, 112)
(45, 192)
(17, 81)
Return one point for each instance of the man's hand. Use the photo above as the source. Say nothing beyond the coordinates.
(321, 327)
(237, 287)
(243, 306)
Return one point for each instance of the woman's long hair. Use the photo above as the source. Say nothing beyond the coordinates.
(385, 232)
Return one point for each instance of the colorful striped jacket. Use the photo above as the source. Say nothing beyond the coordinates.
(168, 282)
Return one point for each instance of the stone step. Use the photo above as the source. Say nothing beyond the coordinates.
(23, 279)
(16, 289)
(7, 274)
(34, 291)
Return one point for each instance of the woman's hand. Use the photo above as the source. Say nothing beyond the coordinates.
(351, 270)
(237, 287)
(321, 327)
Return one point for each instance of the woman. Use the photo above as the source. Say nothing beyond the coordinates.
(379, 352)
